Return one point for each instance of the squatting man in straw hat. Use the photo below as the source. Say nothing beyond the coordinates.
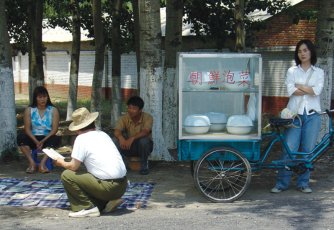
(104, 183)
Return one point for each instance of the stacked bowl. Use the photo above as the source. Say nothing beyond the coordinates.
(197, 124)
(239, 124)
(217, 121)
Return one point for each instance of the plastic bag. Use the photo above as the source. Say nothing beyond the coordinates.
(251, 107)
(288, 114)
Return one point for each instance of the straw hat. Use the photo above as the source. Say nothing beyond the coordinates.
(82, 118)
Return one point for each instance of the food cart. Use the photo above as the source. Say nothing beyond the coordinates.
(219, 106)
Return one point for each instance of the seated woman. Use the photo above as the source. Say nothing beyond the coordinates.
(41, 120)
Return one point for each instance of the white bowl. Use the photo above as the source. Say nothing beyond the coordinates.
(197, 120)
(239, 130)
(197, 129)
(239, 120)
(216, 117)
(215, 127)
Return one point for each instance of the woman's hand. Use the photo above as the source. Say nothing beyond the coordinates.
(298, 92)
(304, 89)
(39, 145)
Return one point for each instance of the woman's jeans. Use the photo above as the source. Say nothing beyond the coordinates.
(302, 138)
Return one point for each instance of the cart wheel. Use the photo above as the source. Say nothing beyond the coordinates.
(222, 174)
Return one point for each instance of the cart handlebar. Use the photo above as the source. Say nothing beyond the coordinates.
(278, 122)
(327, 111)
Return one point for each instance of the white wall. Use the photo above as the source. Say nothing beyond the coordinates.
(57, 67)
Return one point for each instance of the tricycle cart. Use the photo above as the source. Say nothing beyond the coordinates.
(220, 124)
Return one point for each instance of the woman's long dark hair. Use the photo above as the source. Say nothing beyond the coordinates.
(40, 90)
(310, 46)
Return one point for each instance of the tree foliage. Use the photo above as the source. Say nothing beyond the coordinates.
(58, 14)
(215, 18)
(17, 21)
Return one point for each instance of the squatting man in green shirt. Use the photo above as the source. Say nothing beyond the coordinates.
(133, 133)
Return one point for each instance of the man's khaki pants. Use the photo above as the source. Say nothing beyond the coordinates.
(84, 191)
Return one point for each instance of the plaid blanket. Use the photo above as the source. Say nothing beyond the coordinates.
(50, 193)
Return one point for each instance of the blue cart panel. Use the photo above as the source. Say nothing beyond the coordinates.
(194, 149)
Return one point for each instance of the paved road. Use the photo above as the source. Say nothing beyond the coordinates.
(176, 204)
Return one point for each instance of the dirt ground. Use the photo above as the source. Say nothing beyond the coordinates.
(176, 204)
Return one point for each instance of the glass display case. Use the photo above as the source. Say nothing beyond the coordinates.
(219, 96)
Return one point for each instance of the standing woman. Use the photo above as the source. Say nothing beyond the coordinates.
(41, 121)
(304, 84)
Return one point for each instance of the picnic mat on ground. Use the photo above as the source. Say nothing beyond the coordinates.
(51, 193)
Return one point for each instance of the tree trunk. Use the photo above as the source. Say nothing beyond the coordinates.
(7, 99)
(137, 39)
(151, 71)
(239, 25)
(325, 43)
(116, 61)
(173, 44)
(75, 57)
(36, 71)
(99, 60)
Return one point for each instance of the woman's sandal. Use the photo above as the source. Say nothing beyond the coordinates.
(31, 169)
(43, 169)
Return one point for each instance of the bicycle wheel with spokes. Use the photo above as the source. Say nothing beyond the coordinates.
(222, 174)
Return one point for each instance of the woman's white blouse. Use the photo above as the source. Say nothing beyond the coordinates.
(296, 75)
